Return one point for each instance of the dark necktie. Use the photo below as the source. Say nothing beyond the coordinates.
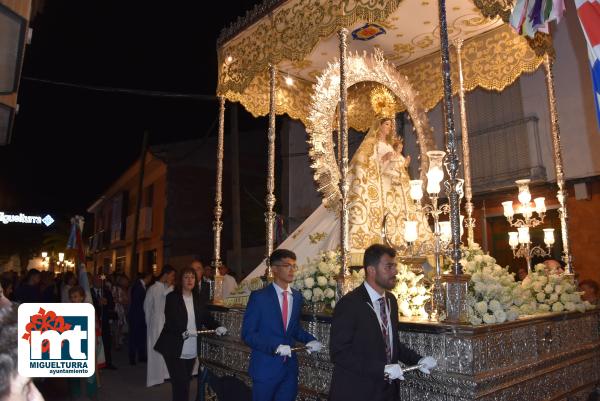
(384, 329)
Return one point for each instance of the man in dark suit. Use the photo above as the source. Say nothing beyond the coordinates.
(105, 309)
(137, 319)
(271, 327)
(364, 344)
(203, 284)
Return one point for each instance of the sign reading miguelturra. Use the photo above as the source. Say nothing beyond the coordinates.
(23, 219)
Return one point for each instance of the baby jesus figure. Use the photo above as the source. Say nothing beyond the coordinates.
(397, 164)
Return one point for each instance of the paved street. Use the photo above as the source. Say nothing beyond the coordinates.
(128, 383)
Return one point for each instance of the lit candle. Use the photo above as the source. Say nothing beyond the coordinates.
(434, 177)
(508, 209)
(513, 239)
(523, 235)
(462, 225)
(44, 255)
(61, 256)
(549, 236)
(445, 231)
(540, 205)
(416, 189)
(410, 231)
(524, 195)
(435, 174)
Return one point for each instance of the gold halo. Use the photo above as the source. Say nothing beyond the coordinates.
(383, 102)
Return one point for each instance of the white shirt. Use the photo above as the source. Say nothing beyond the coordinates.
(229, 284)
(190, 344)
(290, 299)
(374, 295)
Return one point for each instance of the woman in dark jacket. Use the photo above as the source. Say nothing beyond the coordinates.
(178, 343)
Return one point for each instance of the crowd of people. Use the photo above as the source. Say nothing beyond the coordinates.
(128, 312)
(160, 319)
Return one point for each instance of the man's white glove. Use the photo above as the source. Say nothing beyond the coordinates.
(313, 346)
(220, 331)
(429, 363)
(393, 372)
(284, 350)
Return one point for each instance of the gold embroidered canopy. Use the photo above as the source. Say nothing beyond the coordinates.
(298, 37)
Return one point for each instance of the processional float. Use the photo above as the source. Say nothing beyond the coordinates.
(291, 41)
(270, 61)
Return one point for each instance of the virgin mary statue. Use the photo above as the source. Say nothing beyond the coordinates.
(378, 194)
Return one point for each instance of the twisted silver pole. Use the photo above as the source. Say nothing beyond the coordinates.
(469, 220)
(456, 284)
(270, 198)
(343, 35)
(558, 164)
(218, 210)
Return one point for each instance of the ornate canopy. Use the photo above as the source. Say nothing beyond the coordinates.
(298, 37)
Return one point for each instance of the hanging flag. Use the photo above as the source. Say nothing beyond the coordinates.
(588, 12)
(531, 16)
(75, 240)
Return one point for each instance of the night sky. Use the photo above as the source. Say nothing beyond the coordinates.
(68, 143)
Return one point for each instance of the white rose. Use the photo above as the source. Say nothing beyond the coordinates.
(419, 300)
(512, 315)
(307, 294)
(558, 307)
(322, 281)
(570, 306)
(404, 308)
(475, 320)
(540, 296)
(527, 282)
(481, 307)
(580, 307)
(332, 282)
(480, 287)
(309, 282)
(575, 297)
(403, 288)
(544, 308)
(333, 304)
(558, 288)
(495, 305)
(500, 316)
(476, 277)
(329, 293)
(323, 267)
(478, 258)
(537, 286)
(526, 309)
(422, 290)
(543, 280)
(564, 298)
(489, 319)
(588, 305)
(317, 294)
(553, 298)
(549, 289)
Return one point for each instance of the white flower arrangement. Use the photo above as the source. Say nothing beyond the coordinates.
(493, 296)
(552, 292)
(316, 279)
(411, 293)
